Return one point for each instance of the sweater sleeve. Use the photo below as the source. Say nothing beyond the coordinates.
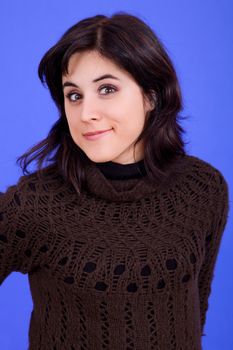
(219, 207)
(21, 247)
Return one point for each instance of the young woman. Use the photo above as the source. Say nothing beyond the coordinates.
(118, 228)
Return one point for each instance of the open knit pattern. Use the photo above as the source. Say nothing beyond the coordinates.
(125, 265)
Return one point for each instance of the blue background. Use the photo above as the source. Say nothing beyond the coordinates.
(198, 38)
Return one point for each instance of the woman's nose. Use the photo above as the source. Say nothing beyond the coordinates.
(90, 109)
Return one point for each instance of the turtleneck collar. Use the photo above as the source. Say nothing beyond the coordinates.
(127, 189)
(112, 170)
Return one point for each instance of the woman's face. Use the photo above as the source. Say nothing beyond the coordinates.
(110, 103)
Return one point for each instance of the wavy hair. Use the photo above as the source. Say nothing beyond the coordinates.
(132, 45)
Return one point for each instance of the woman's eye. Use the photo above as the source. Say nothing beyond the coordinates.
(73, 96)
(108, 87)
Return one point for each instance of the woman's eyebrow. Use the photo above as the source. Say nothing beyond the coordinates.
(105, 76)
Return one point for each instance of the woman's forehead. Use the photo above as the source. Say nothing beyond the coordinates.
(94, 63)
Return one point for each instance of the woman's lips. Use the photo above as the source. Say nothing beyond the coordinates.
(97, 136)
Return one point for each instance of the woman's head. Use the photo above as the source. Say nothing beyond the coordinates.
(115, 103)
(143, 111)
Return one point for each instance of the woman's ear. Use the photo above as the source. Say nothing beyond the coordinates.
(150, 99)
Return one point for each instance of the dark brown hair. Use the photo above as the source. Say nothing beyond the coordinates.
(132, 45)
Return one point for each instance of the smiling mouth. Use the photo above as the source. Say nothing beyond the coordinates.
(97, 135)
(95, 132)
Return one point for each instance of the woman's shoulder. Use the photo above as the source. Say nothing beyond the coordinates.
(35, 182)
(205, 173)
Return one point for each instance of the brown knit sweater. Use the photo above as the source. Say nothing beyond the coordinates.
(125, 265)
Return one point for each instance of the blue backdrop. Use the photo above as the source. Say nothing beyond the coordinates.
(198, 38)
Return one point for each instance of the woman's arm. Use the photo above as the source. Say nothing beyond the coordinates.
(219, 207)
(19, 240)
